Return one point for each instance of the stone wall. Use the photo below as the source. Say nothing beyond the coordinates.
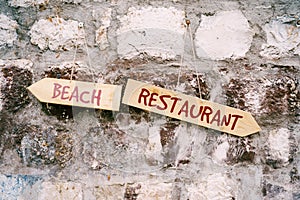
(243, 54)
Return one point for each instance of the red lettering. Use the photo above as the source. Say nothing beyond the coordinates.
(142, 95)
(152, 99)
(64, 92)
(235, 120)
(192, 113)
(56, 91)
(163, 101)
(98, 97)
(174, 103)
(185, 108)
(82, 99)
(216, 118)
(74, 94)
(206, 112)
(224, 120)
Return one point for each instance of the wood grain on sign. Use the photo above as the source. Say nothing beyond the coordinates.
(77, 93)
(190, 109)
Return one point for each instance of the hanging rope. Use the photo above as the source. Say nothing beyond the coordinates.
(88, 55)
(181, 57)
(73, 63)
(81, 27)
(194, 57)
(188, 29)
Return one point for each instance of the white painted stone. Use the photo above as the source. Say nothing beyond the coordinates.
(101, 32)
(27, 3)
(154, 31)
(279, 146)
(56, 34)
(184, 141)
(154, 148)
(213, 187)
(227, 34)
(60, 191)
(281, 39)
(220, 153)
(8, 32)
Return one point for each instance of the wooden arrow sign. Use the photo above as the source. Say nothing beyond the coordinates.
(77, 93)
(190, 109)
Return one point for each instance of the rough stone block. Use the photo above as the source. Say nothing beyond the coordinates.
(109, 192)
(232, 150)
(12, 186)
(274, 94)
(60, 190)
(215, 186)
(57, 34)
(15, 77)
(276, 192)
(279, 148)
(38, 147)
(283, 37)
(154, 31)
(8, 31)
(148, 190)
(227, 34)
(27, 3)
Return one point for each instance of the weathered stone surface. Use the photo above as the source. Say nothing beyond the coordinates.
(28, 3)
(40, 147)
(214, 186)
(279, 148)
(151, 190)
(147, 190)
(250, 178)
(57, 34)
(152, 70)
(110, 192)
(160, 141)
(219, 153)
(246, 58)
(72, 1)
(121, 149)
(273, 191)
(16, 76)
(8, 31)
(12, 186)
(275, 94)
(232, 150)
(60, 190)
(153, 31)
(283, 37)
(226, 34)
